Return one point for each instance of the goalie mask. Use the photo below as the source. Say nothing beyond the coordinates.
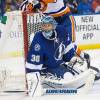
(48, 27)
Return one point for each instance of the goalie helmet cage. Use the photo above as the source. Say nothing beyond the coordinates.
(31, 25)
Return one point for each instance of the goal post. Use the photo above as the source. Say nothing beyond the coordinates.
(25, 35)
(31, 25)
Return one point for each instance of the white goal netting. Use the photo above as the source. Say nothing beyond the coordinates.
(31, 25)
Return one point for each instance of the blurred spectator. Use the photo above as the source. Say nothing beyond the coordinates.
(72, 4)
(2, 6)
(96, 6)
(9, 5)
(90, 1)
(85, 7)
(79, 1)
(12, 5)
(18, 3)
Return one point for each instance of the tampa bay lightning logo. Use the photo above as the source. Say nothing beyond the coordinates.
(59, 52)
(37, 47)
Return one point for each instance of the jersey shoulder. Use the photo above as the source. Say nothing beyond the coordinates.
(38, 37)
(38, 34)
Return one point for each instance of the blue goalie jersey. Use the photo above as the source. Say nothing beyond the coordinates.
(51, 53)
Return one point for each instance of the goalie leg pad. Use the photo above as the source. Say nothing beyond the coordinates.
(34, 84)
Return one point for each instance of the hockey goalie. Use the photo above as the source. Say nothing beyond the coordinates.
(52, 61)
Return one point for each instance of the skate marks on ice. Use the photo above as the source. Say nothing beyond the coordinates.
(94, 93)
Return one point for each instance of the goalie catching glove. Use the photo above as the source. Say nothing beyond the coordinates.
(78, 65)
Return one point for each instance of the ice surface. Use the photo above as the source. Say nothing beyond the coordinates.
(94, 94)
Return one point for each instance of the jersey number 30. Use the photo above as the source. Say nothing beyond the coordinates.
(35, 58)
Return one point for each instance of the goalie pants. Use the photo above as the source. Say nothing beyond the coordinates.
(57, 72)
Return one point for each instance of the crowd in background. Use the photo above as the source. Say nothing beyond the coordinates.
(88, 6)
(12, 5)
(77, 6)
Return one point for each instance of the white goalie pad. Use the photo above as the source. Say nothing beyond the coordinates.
(76, 82)
(34, 84)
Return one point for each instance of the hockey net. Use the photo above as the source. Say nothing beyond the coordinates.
(31, 25)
